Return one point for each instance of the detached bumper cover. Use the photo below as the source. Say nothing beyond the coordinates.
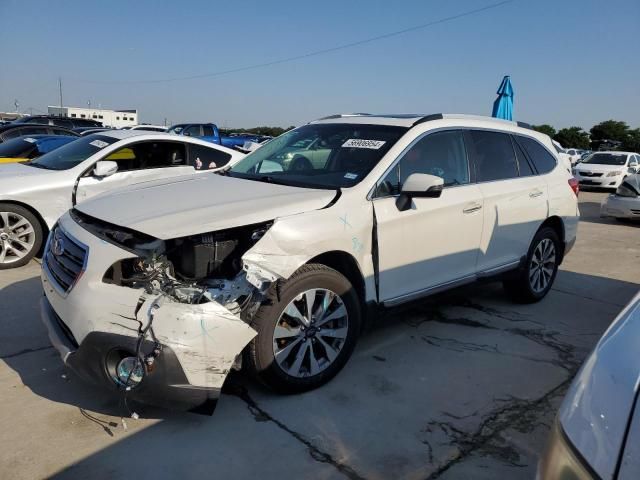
(166, 386)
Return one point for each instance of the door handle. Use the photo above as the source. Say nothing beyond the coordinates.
(535, 193)
(472, 208)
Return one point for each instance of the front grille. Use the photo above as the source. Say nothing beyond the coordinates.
(590, 174)
(589, 182)
(64, 259)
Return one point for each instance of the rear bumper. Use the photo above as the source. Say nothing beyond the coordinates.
(165, 386)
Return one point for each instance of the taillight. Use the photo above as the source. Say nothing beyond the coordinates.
(575, 185)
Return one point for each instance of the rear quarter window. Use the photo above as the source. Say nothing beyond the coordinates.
(540, 156)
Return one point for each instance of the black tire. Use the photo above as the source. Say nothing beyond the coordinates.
(259, 356)
(37, 232)
(519, 287)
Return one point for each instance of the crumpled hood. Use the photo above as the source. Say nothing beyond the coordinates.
(190, 205)
(596, 410)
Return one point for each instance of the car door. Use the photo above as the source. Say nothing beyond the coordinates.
(515, 199)
(138, 162)
(435, 242)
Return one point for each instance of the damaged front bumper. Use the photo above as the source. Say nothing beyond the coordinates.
(94, 324)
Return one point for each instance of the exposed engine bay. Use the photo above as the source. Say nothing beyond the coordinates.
(195, 269)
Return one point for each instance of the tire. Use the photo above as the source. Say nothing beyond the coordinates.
(283, 372)
(20, 236)
(528, 286)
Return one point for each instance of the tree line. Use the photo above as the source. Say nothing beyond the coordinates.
(619, 133)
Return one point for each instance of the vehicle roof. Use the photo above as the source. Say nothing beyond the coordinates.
(11, 126)
(410, 119)
(41, 136)
(150, 135)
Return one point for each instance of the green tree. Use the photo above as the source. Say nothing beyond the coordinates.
(572, 137)
(545, 128)
(610, 130)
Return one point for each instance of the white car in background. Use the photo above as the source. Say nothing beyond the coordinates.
(606, 169)
(275, 264)
(574, 155)
(596, 434)
(33, 195)
(147, 128)
(625, 203)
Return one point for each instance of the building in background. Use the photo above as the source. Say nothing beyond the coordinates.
(109, 118)
(10, 116)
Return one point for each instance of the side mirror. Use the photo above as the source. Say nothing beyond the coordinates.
(419, 185)
(105, 168)
(633, 169)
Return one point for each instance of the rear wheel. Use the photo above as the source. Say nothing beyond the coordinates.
(306, 332)
(534, 281)
(20, 236)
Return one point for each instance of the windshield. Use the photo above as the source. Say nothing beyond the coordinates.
(606, 159)
(18, 147)
(320, 156)
(74, 153)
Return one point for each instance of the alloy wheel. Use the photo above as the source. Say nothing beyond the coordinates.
(17, 237)
(543, 262)
(310, 333)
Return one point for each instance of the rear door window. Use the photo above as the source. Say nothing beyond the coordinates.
(494, 155)
(193, 131)
(523, 163)
(540, 156)
(207, 130)
(204, 158)
(147, 155)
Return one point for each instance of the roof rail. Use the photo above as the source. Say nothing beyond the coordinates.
(342, 115)
(524, 125)
(428, 118)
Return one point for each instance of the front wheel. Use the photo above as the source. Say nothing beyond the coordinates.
(307, 330)
(534, 281)
(20, 236)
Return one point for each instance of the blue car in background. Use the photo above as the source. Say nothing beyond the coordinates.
(29, 147)
(210, 133)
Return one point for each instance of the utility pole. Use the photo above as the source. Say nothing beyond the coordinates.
(60, 87)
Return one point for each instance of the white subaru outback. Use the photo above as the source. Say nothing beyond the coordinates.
(276, 263)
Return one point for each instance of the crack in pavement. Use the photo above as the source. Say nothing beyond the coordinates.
(25, 351)
(517, 413)
(261, 415)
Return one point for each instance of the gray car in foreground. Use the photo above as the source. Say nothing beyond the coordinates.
(597, 431)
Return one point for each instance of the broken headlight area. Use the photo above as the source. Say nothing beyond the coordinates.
(196, 269)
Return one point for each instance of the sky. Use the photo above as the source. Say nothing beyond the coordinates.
(572, 62)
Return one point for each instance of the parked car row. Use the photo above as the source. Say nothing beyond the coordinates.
(159, 286)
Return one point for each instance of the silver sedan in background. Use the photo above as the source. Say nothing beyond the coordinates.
(625, 203)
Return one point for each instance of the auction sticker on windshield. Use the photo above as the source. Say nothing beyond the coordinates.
(99, 143)
(361, 143)
(30, 140)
